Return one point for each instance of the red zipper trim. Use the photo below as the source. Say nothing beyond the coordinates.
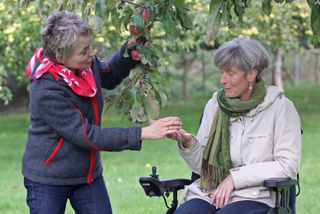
(92, 152)
(92, 163)
(54, 153)
(95, 110)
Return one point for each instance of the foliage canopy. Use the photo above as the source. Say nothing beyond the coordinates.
(161, 27)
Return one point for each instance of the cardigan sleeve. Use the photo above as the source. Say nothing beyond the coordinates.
(52, 107)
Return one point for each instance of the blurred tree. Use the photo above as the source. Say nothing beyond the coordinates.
(224, 12)
(17, 41)
(159, 31)
(286, 28)
(154, 25)
(186, 51)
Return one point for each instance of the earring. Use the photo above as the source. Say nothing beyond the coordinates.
(250, 86)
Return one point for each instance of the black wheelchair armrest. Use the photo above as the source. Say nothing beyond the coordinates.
(279, 182)
(282, 187)
(178, 183)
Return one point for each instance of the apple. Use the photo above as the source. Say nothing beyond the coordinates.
(135, 55)
(146, 13)
(134, 30)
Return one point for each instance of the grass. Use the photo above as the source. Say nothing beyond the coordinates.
(122, 170)
(307, 101)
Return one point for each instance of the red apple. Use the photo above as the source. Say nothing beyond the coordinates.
(135, 55)
(134, 30)
(146, 13)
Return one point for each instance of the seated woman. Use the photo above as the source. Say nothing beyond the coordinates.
(249, 132)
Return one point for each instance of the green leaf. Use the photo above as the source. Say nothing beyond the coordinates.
(61, 7)
(101, 7)
(85, 9)
(214, 19)
(151, 105)
(127, 12)
(315, 21)
(315, 9)
(133, 93)
(39, 4)
(115, 20)
(74, 4)
(145, 61)
(137, 20)
(169, 26)
(185, 20)
(183, 14)
(226, 15)
(160, 86)
(147, 105)
(137, 113)
(25, 3)
(311, 3)
(239, 8)
(266, 7)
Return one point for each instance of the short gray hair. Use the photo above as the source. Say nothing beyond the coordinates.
(246, 54)
(59, 33)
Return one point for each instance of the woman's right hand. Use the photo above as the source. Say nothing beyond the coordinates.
(185, 138)
(161, 128)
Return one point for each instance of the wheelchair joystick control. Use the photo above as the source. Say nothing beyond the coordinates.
(154, 172)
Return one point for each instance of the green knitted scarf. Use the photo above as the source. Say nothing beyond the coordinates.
(216, 158)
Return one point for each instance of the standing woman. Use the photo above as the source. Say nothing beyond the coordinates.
(249, 132)
(62, 155)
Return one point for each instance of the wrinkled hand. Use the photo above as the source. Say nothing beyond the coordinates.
(183, 137)
(161, 128)
(221, 195)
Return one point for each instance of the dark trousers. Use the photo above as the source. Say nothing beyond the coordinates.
(52, 199)
(196, 206)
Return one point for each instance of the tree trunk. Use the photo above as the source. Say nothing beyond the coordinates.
(204, 76)
(185, 83)
(278, 67)
(316, 70)
(297, 69)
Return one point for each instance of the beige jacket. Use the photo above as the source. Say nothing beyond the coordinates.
(265, 143)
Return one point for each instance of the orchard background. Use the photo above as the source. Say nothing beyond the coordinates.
(176, 41)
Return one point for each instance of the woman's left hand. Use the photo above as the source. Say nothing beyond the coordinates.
(221, 195)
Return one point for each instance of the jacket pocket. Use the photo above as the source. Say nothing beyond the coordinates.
(257, 148)
(54, 153)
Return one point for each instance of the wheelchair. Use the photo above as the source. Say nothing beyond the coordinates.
(285, 189)
(154, 186)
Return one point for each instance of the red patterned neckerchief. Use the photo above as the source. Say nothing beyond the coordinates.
(83, 84)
